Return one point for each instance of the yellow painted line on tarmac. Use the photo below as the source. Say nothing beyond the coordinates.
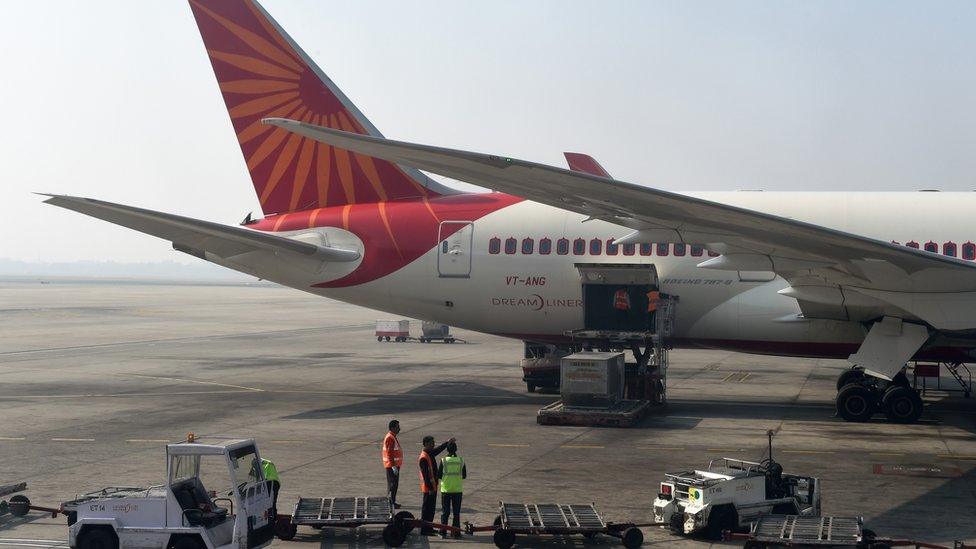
(745, 377)
(146, 440)
(500, 445)
(806, 451)
(587, 446)
(956, 456)
(13, 438)
(73, 439)
(726, 378)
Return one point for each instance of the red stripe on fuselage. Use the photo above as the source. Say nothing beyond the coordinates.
(408, 232)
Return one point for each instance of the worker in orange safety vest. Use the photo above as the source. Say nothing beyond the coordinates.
(621, 300)
(392, 461)
(428, 481)
(653, 298)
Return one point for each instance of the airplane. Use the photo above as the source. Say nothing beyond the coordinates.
(877, 278)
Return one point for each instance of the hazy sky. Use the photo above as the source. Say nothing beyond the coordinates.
(117, 100)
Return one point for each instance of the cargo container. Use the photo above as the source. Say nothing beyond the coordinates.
(592, 379)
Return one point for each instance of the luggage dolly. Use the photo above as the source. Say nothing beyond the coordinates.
(556, 519)
(347, 512)
(20, 504)
(817, 531)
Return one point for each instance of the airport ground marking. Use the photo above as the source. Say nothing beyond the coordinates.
(745, 377)
(505, 445)
(584, 446)
(956, 457)
(726, 378)
(12, 438)
(184, 380)
(146, 440)
(73, 439)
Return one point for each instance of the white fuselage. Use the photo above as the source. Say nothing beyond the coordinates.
(537, 297)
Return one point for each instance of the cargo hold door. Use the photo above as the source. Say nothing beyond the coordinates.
(454, 249)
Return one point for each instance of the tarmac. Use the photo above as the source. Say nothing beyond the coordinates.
(95, 378)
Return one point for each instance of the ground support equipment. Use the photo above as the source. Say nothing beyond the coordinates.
(625, 414)
(556, 519)
(817, 531)
(18, 505)
(347, 512)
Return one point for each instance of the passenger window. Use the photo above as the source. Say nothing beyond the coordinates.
(931, 247)
(562, 246)
(912, 244)
(596, 246)
(494, 245)
(646, 249)
(629, 249)
(545, 246)
(696, 251)
(579, 246)
(611, 247)
(969, 251)
(510, 244)
(949, 249)
(662, 249)
(528, 245)
(679, 249)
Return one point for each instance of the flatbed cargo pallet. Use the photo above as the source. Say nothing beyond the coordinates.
(347, 512)
(556, 519)
(624, 414)
(819, 531)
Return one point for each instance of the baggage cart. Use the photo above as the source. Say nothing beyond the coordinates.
(557, 519)
(397, 330)
(435, 331)
(347, 512)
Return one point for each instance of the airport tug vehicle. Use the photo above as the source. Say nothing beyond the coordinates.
(731, 494)
(185, 513)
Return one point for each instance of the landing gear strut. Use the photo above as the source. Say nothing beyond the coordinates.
(860, 396)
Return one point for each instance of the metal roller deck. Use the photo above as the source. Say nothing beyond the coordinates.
(557, 519)
(347, 512)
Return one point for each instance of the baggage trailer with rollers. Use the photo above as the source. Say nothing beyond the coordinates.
(347, 512)
(822, 531)
(556, 519)
(397, 330)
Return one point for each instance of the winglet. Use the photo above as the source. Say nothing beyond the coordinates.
(579, 162)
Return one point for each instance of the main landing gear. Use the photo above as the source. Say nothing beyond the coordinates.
(860, 396)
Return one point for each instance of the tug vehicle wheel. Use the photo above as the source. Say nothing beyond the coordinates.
(902, 405)
(19, 505)
(504, 538)
(720, 519)
(849, 376)
(393, 536)
(99, 538)
(632, 538)
(187, 542)
(856, 402)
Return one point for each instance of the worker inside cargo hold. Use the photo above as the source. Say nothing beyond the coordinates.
(620, 307)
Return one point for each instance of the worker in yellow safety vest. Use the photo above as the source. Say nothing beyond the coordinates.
(451, 471)
(274, 483)
(428, 481)
(392, 461)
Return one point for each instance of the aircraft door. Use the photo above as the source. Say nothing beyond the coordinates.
(454, 249)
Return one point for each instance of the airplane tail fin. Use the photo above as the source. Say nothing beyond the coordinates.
(263, 73)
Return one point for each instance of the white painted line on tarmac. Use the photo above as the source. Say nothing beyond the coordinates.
(146, 440)
(73, 439)
(184, 380)
(13, 438)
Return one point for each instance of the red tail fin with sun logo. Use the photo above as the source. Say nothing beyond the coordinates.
(263, 73)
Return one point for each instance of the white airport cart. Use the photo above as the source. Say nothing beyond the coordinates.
(184, 513)
(435, 331)
(731, 494)
(396, 330)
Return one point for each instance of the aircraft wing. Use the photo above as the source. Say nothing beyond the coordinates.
(831, 272)
(195, 236)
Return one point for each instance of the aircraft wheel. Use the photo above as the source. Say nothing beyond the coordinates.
(379, 338)
(849, 376)
(902, 405)
(856, 402)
